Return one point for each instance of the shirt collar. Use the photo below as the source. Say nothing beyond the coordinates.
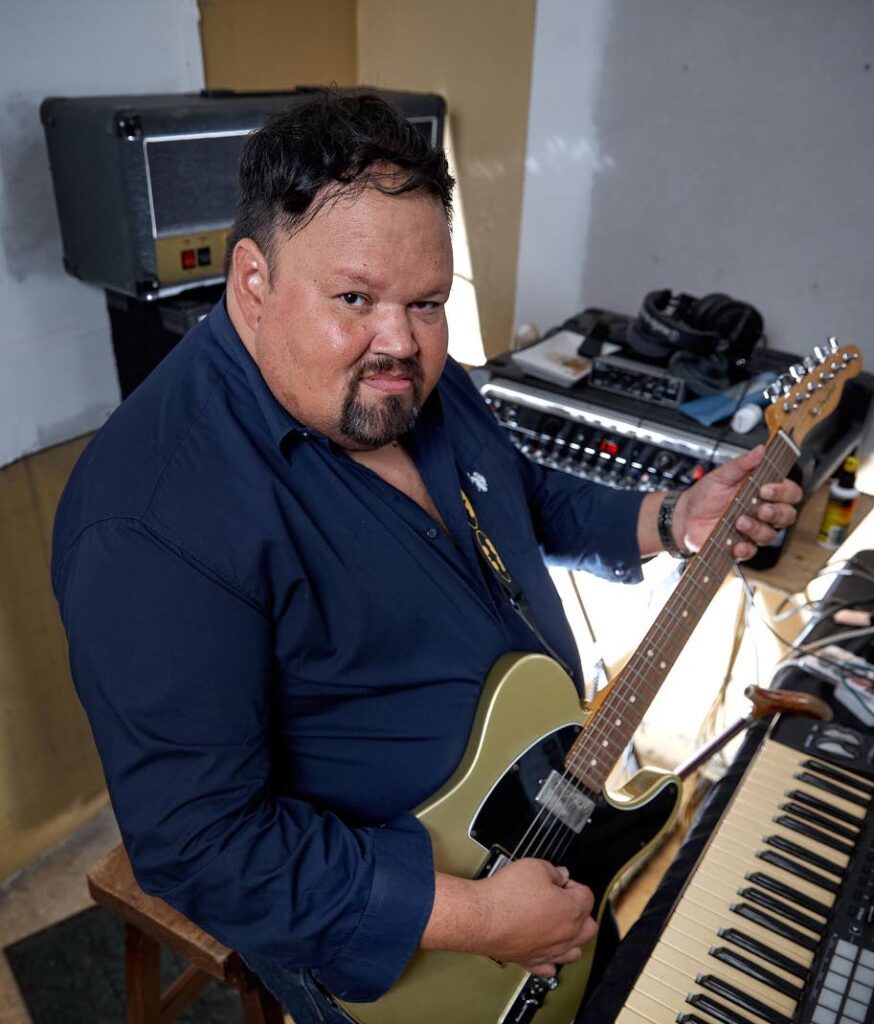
(280, 422)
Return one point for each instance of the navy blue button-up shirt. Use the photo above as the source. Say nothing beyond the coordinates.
(280, 654)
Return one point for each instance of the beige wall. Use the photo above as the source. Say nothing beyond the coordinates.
(50, 777)
(477, 55)
(277, 44)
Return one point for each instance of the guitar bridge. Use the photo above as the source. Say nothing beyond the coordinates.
(561, 797)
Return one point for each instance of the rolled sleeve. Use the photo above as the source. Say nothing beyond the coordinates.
(392, 923)
(174, 666)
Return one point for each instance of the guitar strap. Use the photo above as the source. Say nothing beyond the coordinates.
(489, 554)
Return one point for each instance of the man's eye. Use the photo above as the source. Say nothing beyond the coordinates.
(426, 305)
(354, 299)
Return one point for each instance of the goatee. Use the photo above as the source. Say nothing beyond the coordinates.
(387, 419)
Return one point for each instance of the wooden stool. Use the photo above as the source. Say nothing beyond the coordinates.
(149, 924)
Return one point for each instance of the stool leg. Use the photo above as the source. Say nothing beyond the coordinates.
(142, 964)
(259, 1005)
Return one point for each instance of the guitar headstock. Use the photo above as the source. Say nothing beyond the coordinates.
(811, 390)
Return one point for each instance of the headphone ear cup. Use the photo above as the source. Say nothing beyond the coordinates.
(707, 309)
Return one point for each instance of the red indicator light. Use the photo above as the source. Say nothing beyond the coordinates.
(698, 472)
(189, 259)
(610, 447)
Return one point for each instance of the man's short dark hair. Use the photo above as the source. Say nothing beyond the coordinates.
(346, 138)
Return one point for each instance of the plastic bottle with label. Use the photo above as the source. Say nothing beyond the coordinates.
(838, 514)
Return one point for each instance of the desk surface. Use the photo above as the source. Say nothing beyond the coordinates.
(803, 558)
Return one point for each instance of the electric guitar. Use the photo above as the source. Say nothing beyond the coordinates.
(531, 782)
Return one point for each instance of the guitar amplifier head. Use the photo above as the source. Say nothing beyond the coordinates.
(146, 186)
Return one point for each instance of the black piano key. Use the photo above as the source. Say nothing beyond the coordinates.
(802, 853)
(820, 820)
(823, 805)
(763, 952)
(773, 924)
(799, 870)
(724, 1014)
(782, 909)
(774, 885)
(755, 970)
(803, 828)
(854, 782)
(690, 1018)
(715, 984)
(831, 787)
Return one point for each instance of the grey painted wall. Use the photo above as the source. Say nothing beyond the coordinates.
(727, 145)
(57, 373)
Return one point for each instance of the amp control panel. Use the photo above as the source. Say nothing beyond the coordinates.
(626, 452)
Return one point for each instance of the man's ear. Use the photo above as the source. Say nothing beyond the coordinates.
(249, 280)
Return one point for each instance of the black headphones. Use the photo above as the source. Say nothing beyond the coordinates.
(669, 323)
(705, 342)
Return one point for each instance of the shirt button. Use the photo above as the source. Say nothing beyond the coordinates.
(619, 572)
(431, 534)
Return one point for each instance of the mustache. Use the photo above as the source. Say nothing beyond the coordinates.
(389, 364)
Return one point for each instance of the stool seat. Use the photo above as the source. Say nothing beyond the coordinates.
(151, 923)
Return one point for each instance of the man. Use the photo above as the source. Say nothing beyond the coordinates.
(278, 619)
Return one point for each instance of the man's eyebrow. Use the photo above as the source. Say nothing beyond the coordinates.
(355, 277)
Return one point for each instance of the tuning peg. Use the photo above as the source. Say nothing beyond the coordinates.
(786, 383)
(833, 345)
(820, 354)
(773, 391)
(810, 364)
(797, 371)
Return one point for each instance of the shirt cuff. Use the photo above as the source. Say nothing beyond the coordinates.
(391, 926)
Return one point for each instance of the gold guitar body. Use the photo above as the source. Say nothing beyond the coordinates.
(525, 698)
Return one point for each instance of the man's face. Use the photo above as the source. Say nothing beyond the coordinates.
(351, 336)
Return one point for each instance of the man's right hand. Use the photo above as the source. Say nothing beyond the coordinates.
(530, 913)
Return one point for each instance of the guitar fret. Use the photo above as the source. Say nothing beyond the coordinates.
(596, 750)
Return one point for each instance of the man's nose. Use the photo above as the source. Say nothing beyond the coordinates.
(394, 335)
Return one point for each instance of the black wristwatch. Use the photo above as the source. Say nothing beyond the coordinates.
(665, 525)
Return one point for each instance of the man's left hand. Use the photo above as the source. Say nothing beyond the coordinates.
(701, 507)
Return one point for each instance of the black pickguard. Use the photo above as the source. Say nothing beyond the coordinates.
(611, 838)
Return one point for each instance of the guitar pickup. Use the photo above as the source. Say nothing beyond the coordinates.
(560, 796)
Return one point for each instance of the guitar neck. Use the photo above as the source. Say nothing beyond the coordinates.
(598, 747)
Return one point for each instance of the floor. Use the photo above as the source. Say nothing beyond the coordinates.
(48, 890)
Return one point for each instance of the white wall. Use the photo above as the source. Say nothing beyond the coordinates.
(57, 374)
(562, 158)
(703, 146)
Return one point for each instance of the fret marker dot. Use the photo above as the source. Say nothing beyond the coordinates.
(650, 653)
(632, 699)
(593, 762)
(618, 721)
(663, 664)
(605, 743)
(754, 501)
(706, 579)
(685, 613)
(728, 541)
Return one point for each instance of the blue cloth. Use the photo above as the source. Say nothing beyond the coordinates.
(281, 655)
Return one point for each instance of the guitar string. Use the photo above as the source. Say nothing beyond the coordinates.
(750, 486)
(664, 626)
(661, 630)
(554, 844)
